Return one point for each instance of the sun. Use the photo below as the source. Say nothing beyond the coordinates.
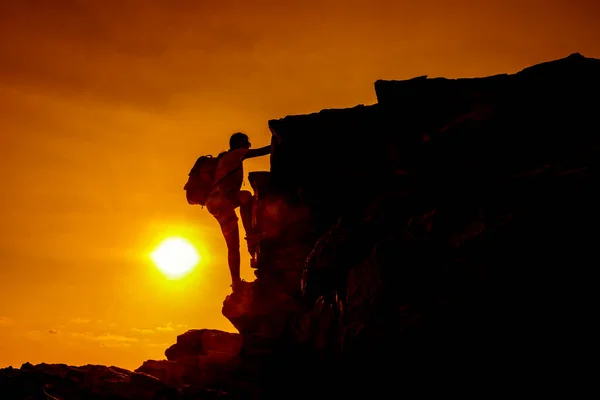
(175, 257)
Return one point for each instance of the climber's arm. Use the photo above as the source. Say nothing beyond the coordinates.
(261, 151)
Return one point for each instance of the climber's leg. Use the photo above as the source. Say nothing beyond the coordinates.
(224, 211)
(229, 226)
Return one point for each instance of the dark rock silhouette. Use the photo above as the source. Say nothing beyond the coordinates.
(444, 237)
(59, 381)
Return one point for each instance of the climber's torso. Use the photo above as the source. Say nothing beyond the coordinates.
(230, 172)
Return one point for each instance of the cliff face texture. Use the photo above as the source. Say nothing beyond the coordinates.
(445, 236)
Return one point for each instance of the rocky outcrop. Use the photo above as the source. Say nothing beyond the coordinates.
(203, 364)
(59, 381)
(444, 236)
(209, 345)
(453, 220)
(204, 359)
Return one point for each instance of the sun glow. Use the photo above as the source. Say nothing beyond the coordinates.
(175, 257)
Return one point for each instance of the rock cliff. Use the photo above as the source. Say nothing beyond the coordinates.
(442, 237)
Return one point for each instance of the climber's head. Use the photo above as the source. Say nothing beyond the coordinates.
(239, 140)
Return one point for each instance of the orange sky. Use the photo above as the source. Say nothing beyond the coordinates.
(106, 104)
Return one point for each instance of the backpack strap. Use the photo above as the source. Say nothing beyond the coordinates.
(225, 176)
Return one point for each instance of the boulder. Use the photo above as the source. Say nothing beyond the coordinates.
(210, 344)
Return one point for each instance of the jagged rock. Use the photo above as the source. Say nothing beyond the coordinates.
(261, 309)
(213, 345)
(173, 373)
(193, 372)
(203, 358)
(238, 305)
(456, 175)
(59, 381)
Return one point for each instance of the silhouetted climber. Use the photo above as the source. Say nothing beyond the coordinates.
(216, 183)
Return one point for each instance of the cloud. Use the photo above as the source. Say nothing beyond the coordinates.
(161, 345)
(106, 46)
(5, 321)
(104, 338)
(82, 335)
(166, 328)
(116, 345)
(40, 334)
(143, 331)
(108, 338)
(169, 327)
(80, 321)
(76, 338)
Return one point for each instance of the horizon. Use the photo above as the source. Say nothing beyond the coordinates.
(107, 106)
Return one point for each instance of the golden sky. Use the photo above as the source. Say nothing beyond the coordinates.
(105, 105)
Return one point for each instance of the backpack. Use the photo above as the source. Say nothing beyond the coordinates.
(201, 180)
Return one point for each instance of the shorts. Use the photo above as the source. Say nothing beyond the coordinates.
(223, 209)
